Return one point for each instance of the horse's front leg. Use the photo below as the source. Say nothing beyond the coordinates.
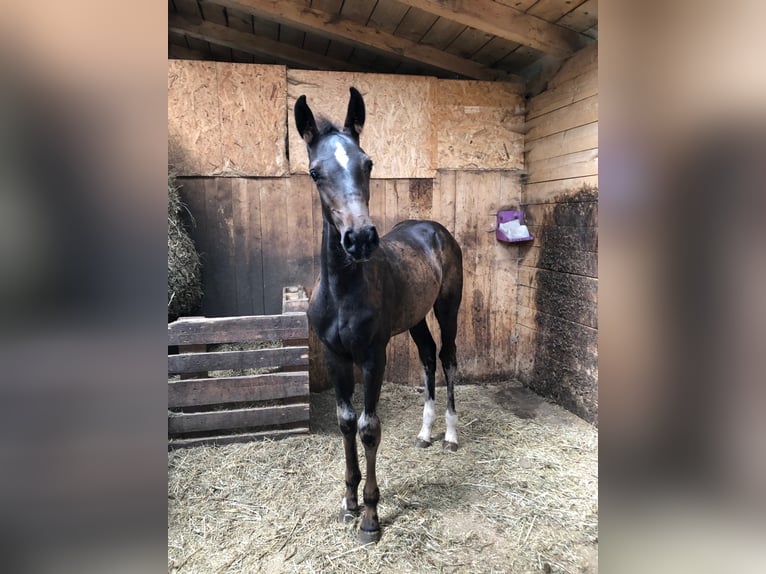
(370, 433)
(342, 374)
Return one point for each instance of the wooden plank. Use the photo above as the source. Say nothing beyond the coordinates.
(564, 94)
(504, 21)
(299, 225)
(503, 287)
(194, 127)
(577, 164)
(551, 10)
(576, 139)
(444, 202)
(581, 18)
(577, 114)
(579, 214)
(386, 16)
(221, 287)
(558, 190)
(248, 260)
(565, 238)
(179, 423)
(191, 330)
(565, 337)
(298, 15)
(579, 63)
(572, 286)
(188, 362)
(274, 242)
(442, 33)
(398, 131)
(221, 440)
(576, 262)
(252, 388)
(569, 308)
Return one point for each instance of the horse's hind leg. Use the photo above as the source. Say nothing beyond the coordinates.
(342, 374)
(446, 313)
(427, 352)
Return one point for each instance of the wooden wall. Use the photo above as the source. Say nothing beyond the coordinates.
(446, 150)
(556, 324)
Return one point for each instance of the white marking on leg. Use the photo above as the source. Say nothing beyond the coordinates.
(367, 422)
(344, 504)
(341, 155)
(451, 434)
(429, 414)
(345, 412)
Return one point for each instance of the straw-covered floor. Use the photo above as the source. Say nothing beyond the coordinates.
(520, 495)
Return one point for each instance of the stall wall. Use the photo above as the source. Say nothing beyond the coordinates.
(557, 323)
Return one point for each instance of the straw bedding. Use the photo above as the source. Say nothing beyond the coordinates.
(520, 495)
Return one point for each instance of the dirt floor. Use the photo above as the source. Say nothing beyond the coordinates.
(520, 495)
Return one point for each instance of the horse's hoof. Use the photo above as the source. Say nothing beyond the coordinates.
(420, 443)
(450, 446)
(347, 516)
(369, 536)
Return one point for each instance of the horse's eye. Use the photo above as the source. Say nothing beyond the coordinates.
(314, 174)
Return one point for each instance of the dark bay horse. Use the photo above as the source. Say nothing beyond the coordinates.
(371, 288)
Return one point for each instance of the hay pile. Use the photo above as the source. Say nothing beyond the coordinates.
(519, 496)
(184, 278)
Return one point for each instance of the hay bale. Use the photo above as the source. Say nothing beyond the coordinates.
(184, 267)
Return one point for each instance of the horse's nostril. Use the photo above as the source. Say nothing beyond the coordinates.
(348, 240)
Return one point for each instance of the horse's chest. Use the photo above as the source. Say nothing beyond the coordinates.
(343, 328)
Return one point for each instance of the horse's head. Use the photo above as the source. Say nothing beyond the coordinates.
(341, 171)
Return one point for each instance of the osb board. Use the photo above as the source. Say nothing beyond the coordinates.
(478, 125)
(397, 134)
(226, 119)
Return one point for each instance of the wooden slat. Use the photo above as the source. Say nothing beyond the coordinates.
(581, 62)
(179, 423)
(236, 438)
(564, 94)
(274, 242)
(561, 143)
(578, 114)
(504, 21)
(256, 45)
(558, 190)
(310, 19)
(237, 360)
(569, 308)
(574, 286)
(577, 164)
(581, 18)
(218, 391)
(191, 330)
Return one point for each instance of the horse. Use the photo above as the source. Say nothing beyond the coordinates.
(371, 288)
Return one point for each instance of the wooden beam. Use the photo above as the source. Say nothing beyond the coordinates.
(334, 26)
(257, 45)
(504, 21)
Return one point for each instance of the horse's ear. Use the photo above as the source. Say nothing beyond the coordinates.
(355, 115)
(304, 121)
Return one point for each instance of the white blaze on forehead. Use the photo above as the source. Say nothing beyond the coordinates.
(341, 155)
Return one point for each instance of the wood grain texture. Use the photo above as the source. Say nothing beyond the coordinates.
(397, 134)
(191, 330)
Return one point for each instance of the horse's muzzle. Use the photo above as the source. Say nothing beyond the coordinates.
(360, 243)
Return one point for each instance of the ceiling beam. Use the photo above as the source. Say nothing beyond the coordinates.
(256, 45)
(501, 20)
(334, 26)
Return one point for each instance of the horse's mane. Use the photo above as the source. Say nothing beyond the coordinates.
(325, 126)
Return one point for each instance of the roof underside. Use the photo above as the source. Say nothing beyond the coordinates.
(499, 40)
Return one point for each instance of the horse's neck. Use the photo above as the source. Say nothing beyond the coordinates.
(337, 272)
